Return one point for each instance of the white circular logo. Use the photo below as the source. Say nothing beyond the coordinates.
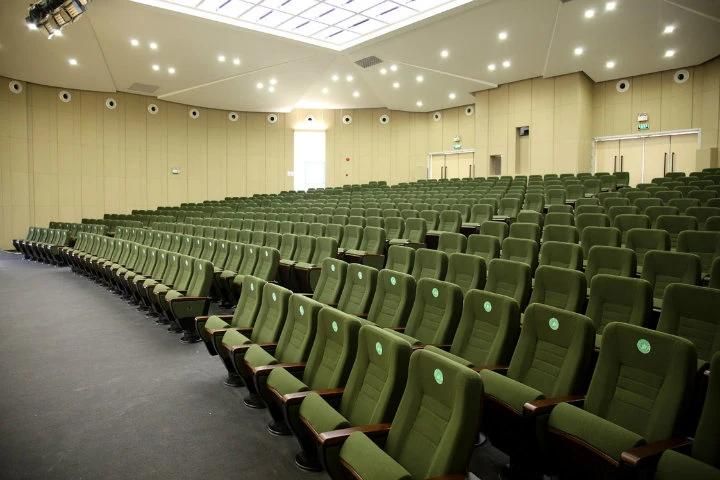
(274, 297)
(554, 323)
(487, 306)
(393, 281)
(302, 310)
(644, 346)
(439, 378)
(378, 348)
(435, 292)
(334, 326)
(252, 287)
(360, 275)
(332, 267)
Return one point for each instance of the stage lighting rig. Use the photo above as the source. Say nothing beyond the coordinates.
(52, 16)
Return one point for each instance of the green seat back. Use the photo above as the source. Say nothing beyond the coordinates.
(509, 278)
(466, 271)
(333, 350)
(331, 281)
(299, 330)
(706, 245)
(249, 260)
(400, 259)
(450, 242)
(528, 231)
(272, 314)
(393, 299)
(664, 268)
(358, 289)
(498, 230)
(520, 250)
(561, 254)
(705, 447)
(642, 240)
(429, 264)
(559, 287)
(287, 246)
(485, 246)
(610, 260)
(304, 248)
(560, 233)
(618, 299)
(267, 263)
(435, 312)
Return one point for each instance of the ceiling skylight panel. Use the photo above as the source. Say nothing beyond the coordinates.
(389, 12)
(424, 5)
(327, 14)
(274, 18)
(355, 5)
(341, 37)
(211, 5)
(186, 3)
(293, 7)
(360, 24)
(256, 13)
(234, 8)
(302, 26)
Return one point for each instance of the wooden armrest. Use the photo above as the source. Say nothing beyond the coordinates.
(295, 398)
(309, 295)
(501, 369)
(244, 331)
(545, 405)
(644, 455)
(337, 437)
(264, 370)
(222, 317)
(190, 299)
(269, 347)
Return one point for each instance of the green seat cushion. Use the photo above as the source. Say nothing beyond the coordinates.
(450, 356)
(318, 413)
(215, 322)
(674, 465)
(233, 337)
(369, 460)
(596, 431)
(256, 356)
(284, 382)
(509, 391)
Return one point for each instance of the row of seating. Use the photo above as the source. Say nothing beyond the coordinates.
(43, 244)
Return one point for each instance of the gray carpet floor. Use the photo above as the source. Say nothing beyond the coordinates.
(94, 389)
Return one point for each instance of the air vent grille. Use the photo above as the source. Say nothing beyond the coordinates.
(368, 61)
(143, 88)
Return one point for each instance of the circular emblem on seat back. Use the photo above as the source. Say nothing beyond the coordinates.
(266, 253)
(554, 323)
(302, 310)
(334, 326)
(435, 292)
(393, 280)
(644, 346)
(438, 376)
(378, 348)
(252, 287)
(487, 306)
(332, 267)
(274, 297)
(360, 275)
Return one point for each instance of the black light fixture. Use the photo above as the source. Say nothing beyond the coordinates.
(52, 15)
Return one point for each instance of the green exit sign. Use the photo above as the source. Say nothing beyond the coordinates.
(643, 126)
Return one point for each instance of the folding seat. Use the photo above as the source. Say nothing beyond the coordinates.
(410, 213)
(593, 236)
(230, 280)
(674, 224)
(272, 240)
(521, 250)
(529, 231)
(574, 192)
(351, 239)
(611, 261)
(296, 217)
(559, 287)
(618, 299)
(561, 254)
(208, 232)
(583, 202)
(184, 304)
(591, 220)
(636, 194)
(448, 221)
(591, 186)
(394, 227)
(480, 213)
(466, 271)
(324, 218)
(208, 249)
(316, 230)
(358, 289)
(330, 283)
(440, 207)
(654, 212)
(608, 183)
(509, 278)
(485, 246)
(247, 224)
(371, 396)
(636, 397)
(508, 209)
(393, 299)
(328, 366)
(705, 245)
(285, 227)
(663, 268)
(612, 202)
(196, 246)
(702, 195)
(555, 196)
(530, 216)
(683, 204)
(357, 212)
(400, 259)
(334, 231)
(429, 264)
(702, 214)
(559, 219)
(626, 222)
(713, 224)
(288, 242)
(715, 274)
(641, 241)
(551, 359)
(644, 203)
(431, 218)
(359, 221)
(301, 228)
(272, 226)
(452, 242)
(560, 233)
(414, 233)
(491, 202)
(714, 203)
(701, 461)
(306, 274)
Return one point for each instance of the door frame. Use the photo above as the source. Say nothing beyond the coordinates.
(634, 136)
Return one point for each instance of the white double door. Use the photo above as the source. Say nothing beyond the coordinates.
(645, 158)
(452, 166)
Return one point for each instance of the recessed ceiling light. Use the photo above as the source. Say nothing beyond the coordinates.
(610, 64)
(578, 51)
(335, 78)
(221, 58)
(273, 81)
(452, 96)
(156, 67)
(171, 70)
(669, 53)
(419, 79)
(383, 71)
(492, 67)
(589, 13)
(348, 78)
(271, 89)
(31, 26)
(325, 90)
(236, 61)
(419, 103)
(259, 85)
(669, 29)
(153, 46)
(356, 94)
(506, 64)
(393, 67)
(134, 42)
(72, 61)
(396, 84)
(444, 53)
(610, 6)
(502, 35)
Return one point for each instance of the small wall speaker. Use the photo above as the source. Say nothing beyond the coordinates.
(384, 119)
(233, 116)
(111, 103)
(15, 87)
(194, 113)
(681, 76)
(622, 86)
(437, 116)
(469, 110)
(64, 96)
(272, 118)
(347, 119)
(153, 109)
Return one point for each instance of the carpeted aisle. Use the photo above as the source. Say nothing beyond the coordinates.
(93, 389)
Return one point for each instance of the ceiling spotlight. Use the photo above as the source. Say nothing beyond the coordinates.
(452, 96)
(271, 89)
(236, 61)
(669, 29)
(419, 103)
(134, 42)
(221, 58)
(506, 64)
(171, 70)
(156, 67)
(396, 84)
(259, 85)
(348, 78)
(610, 64)
(383, 71)
(502, 35)
(335, 78)
(578, 51)
(610, 6)
(153, 46)
(72, 61)
(492, 67)
(356, 94)
(419, 79)
(325, 90)
(669, 53)
(273, 81)
(393, 67)
(444, 53)
(589, 13)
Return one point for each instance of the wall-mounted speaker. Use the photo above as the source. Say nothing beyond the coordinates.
(64, 96)
(622, 86)
(272, 118)
(469, 110)
(152, 109)
(15, 87)
(681, 76)
(194, 113)
(233, 116)
(384, 119)
(111, 103)
(310, 119)
(347, 119)
(437, 116)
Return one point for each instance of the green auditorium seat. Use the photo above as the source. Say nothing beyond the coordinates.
(394, 227)
(451, 421)
(560, 233)
(429, 264)
(393, 299)
(480, 213)
(558, 218)
(614, 201)
(529, 231)
(625, 222)
(688, 312)
(583, 220)
(288, 243)
(636, 395)
(466, 271)
(184, 304)
(371, 396)
(413, 235)
(508, 209)
(273, 240)
(674, 224)
(611, 261)
(485, 246)
(431, 218)
(618, 299)
(450, 242)
(230, 281)
(599, 236)
(555, 196)
(705, 245)
(664, 268)
(371, 250)
(644, 203)
(551, 359)
(521, 250)
(351, 239)
(400, 259)
(560, 208)
(561, 254)
(509, 278)
(328, 366)
(559, 287)
(435, 313)
(305, 274)
(534, 201)
(715, 274)
(702, 214)
(530, 216)
(358, 289)
(498, 230)
(330, 282)
(642, 240)
(654, 212)
(682, 204)
(702, 462)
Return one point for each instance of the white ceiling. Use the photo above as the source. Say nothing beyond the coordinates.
(542, 35)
